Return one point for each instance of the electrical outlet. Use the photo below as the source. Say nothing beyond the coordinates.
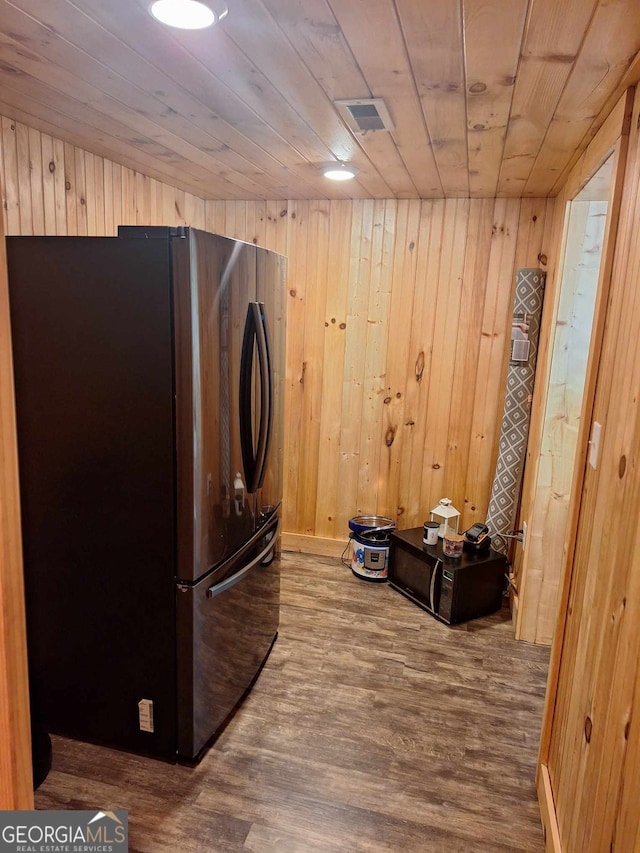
(524, 534)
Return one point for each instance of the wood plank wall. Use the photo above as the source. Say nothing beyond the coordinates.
(52, 187)
(16, 787)
(397, 321)
(398, 313)
(589, 778)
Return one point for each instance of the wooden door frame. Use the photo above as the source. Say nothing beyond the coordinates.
(16, 785)
(612, 139)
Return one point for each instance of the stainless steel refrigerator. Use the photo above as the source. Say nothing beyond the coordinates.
(149, 372)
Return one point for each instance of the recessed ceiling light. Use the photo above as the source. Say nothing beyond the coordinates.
(339, 171)
(188, 14)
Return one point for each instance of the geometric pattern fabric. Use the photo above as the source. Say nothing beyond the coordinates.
(514, 429)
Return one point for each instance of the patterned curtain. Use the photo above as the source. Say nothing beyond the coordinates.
(514, 431)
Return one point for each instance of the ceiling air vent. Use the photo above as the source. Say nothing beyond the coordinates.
(365, 114)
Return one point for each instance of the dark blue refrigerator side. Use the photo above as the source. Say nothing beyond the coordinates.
(151, 565)
(92, 350)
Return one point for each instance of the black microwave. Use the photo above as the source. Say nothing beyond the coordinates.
(452, 589)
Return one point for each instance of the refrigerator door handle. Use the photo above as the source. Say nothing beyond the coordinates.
(227, 583)
(266, 395)
(245, 396)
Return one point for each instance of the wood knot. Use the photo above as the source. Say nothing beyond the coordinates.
(390, 436)
(478, 88)
(626, 729)
(293, 216)
(343, 325)
(419, 366)
(400, 510)
(52, 166)
(436, 466)
(410, 423)
(82, 201)
(67, 185)
(398, 394)
(292, 292)
(412, 246)
(387, 400)
(588, 729)
(542, 258)
(622, 466)
(284, 212)
(304, 367)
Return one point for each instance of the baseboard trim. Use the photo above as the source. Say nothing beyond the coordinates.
(548, 811)
(316, 545)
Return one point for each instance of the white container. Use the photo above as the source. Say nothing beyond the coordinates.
(430, 533)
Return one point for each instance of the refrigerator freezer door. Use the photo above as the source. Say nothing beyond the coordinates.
(214, 282)
(226, 625)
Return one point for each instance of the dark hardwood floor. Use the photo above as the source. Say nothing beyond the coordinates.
(372, 727)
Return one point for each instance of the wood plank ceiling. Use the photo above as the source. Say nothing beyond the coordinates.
(487, 97)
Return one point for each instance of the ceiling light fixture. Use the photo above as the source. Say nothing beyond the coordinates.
(188, 14)
(338, 171)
